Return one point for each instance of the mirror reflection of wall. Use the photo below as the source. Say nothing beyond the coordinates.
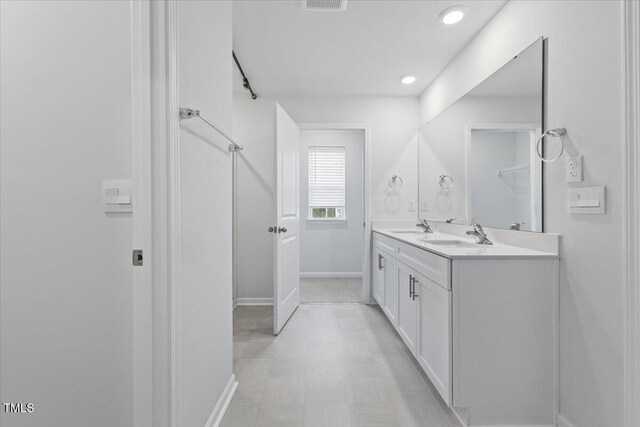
(503, 177)
(486, 143)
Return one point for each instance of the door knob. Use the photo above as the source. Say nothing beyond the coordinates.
(271, 229)
(282, 230)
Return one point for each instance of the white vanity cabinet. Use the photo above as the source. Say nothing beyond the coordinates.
(407, 306)
(383, 279)
(434, 342)
(378, 276)
(390, 290)
(482, 324)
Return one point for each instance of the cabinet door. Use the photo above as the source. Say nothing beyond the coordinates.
(378, 276)
(407, 306)
(434, 343)
(390, 306)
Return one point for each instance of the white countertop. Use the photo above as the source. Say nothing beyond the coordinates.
(469, 250)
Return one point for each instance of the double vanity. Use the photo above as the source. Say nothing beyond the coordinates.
(479, 310)
(480, 319)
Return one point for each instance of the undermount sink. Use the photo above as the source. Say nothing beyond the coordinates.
(455, 243)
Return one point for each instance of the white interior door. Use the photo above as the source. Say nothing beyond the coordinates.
(286, 294)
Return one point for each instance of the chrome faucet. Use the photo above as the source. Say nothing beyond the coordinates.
(515, 226)
(425, 226)
(479, 234)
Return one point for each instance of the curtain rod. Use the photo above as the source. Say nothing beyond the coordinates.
(245, 80)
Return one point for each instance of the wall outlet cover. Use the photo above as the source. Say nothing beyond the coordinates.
(574, 169)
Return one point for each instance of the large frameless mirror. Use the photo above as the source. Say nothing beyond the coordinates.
(477, 159)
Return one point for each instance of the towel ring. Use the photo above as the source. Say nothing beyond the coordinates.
(445, 182)
(556, 133)
(393, 183)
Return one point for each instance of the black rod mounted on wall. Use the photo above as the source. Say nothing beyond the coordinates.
(245, 80)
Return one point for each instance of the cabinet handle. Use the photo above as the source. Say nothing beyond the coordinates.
(414, 289)
(411, 279)
(380, 266)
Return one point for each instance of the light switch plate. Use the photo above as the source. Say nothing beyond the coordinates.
(412, 205)
(574, 169)
(587, 200)
(116, 195)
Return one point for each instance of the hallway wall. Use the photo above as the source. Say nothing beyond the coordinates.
(205, 284)
(65, 271)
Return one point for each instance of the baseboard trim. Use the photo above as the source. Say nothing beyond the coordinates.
(461, 416)
(330, 275)
(254, 301)
(215, 419)
(563, 421)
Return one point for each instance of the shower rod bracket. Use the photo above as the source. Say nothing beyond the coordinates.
(189, 113)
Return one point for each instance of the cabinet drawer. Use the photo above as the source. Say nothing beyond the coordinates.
(384, 243)
(433, 266)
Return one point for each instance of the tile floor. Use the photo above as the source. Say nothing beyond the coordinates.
(331, 366)
(322, 290)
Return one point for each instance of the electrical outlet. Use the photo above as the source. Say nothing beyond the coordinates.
(574, 169)
(412, 205)
(424, 206)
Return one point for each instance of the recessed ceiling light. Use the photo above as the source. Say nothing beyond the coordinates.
(407, 80)
(452, 15)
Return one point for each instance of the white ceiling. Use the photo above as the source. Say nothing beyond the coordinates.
(362, 51)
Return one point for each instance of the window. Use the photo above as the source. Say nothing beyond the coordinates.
(326, 183)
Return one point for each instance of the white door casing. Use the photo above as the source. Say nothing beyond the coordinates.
(141, 217)
(631, 35)
(366, 198)
(287, 242)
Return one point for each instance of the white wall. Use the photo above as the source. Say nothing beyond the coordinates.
(254, 124)
(326, 246)
(205, 83)
(392, 125)
(66, 274)
(584, 94)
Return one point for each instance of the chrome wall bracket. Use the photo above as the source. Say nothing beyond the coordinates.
(189, 113)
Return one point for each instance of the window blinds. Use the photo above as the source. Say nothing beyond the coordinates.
(326, 176)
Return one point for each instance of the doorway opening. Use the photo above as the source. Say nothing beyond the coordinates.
(332, 212)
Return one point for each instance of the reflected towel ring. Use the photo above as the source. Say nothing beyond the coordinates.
(393, 183)
(445, 182)
(556, 133)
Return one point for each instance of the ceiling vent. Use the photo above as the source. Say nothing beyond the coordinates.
(324, 5)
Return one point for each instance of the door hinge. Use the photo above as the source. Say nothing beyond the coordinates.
(137, 257)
